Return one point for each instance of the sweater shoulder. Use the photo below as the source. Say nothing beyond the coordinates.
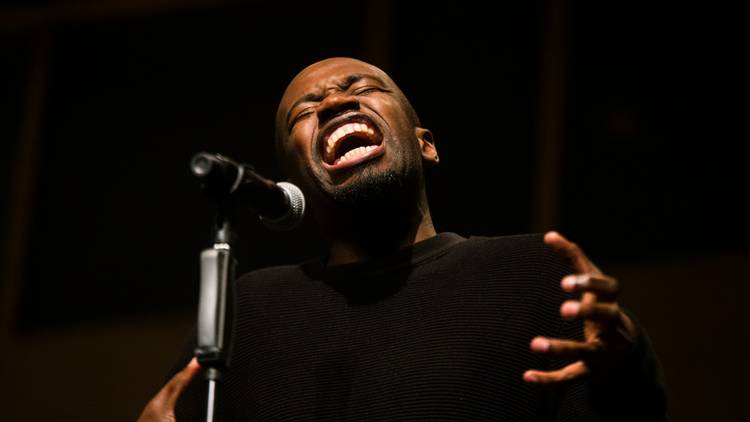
(520, 257)
(280, 276)
(529, 247)
(527, 240)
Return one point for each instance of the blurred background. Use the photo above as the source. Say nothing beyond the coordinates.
(617, 123)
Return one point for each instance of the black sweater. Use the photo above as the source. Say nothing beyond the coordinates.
(440, 331)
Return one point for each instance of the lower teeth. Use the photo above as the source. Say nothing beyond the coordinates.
(360, 151)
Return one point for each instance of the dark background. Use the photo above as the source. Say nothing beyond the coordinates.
(617, 124)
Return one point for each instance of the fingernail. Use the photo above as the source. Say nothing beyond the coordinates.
(530, 377)
(540, 344)
(569, 282)
(570, 309)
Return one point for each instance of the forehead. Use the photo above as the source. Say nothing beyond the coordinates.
(323, 75)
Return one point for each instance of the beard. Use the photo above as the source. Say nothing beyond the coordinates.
(369, 188)
(374, 191)
(379, 205)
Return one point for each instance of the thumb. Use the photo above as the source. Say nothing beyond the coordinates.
(179, 382)
(161, 407)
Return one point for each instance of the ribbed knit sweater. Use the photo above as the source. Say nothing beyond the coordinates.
(439, 331)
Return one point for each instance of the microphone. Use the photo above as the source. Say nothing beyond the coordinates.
(280, 206)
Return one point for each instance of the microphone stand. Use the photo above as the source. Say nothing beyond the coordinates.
(229, 185)
(215, 308)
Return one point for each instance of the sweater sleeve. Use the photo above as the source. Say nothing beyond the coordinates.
(633, 389)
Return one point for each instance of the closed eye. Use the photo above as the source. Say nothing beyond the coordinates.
(366, 90)
(301, 115)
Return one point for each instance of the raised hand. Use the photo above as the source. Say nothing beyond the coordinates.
(608, 332)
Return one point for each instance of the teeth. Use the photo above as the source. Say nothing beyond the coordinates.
(355, 153)
(344, 130)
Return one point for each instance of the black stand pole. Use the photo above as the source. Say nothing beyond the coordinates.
(214, 308)
(229, 185)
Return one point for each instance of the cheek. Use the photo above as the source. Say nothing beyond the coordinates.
(299, 154)
(397, 119)
(301, 136)
(403, 133)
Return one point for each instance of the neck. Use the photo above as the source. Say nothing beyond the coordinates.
(370, 234)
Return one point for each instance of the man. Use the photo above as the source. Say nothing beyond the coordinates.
(398, 322)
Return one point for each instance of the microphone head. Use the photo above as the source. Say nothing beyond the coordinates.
(218, 175)
(295, 212)
(201, 165)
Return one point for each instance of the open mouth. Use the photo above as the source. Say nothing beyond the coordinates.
(350, 141)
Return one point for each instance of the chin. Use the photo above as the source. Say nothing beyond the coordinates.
(372, 190)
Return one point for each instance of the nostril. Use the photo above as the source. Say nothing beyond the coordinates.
(334, 106)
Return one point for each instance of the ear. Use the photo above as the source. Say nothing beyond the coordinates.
(427, 146)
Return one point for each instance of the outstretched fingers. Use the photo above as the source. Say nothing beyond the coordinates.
(579, 350)
(570, 252)
(571, 372)
(604, 287)
(565, 348)
(606, 313)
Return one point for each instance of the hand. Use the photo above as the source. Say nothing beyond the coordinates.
(608, 332)
(161, 407)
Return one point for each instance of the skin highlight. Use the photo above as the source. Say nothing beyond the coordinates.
(369, 209)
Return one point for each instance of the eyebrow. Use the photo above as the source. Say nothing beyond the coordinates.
(343, 85)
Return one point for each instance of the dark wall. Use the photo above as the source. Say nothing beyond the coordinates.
(130, 101)
(648, 165)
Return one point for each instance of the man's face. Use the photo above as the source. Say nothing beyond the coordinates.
(345, 128)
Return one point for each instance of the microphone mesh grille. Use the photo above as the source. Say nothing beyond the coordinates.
(296, 209)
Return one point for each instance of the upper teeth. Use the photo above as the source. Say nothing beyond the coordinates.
(345, 130)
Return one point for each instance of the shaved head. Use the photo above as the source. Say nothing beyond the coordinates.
(313, 71)
(350, 139)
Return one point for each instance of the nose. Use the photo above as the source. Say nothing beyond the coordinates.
(335, 104)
